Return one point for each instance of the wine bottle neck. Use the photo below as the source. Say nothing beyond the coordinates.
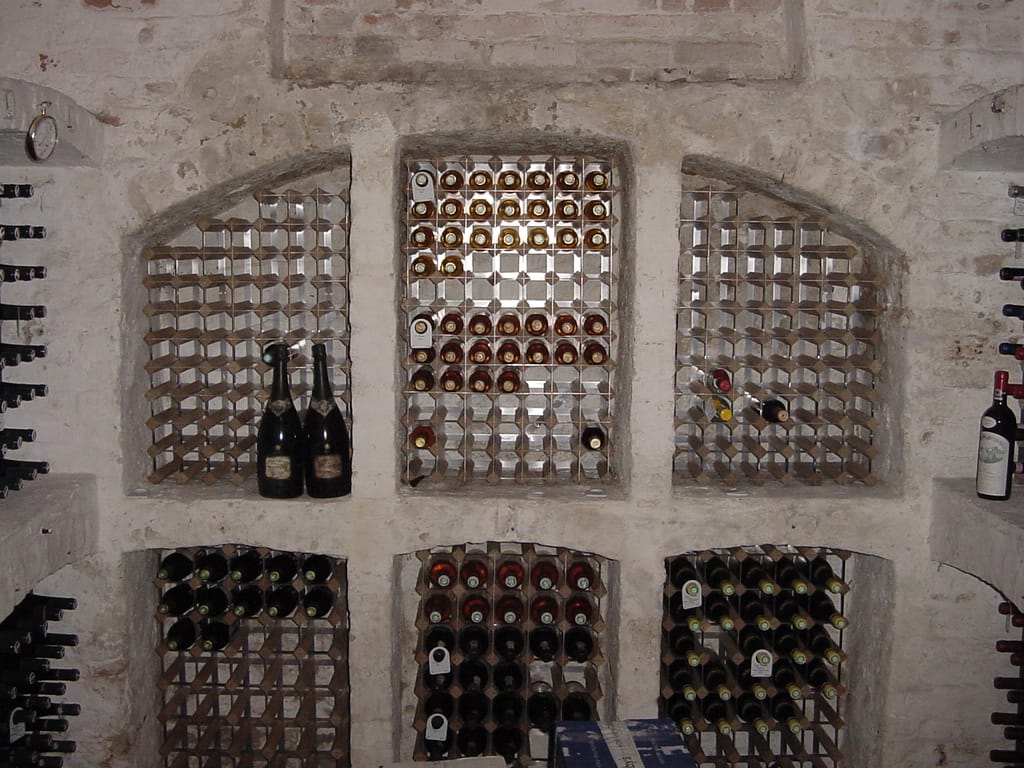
(279, 389)
(321, 382)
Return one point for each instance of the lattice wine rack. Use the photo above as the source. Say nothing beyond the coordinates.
(788, 311)
(752, 654)
(509, 642)
(510, 319)
(254, 655)
(274, 268)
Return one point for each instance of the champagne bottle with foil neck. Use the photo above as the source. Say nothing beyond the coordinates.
(279, 440)
(328, 466)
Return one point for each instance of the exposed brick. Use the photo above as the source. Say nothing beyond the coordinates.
(615, 53)
(547, 54)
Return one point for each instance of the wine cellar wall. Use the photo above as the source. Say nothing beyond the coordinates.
(273, 268)
(254, 658)
(779, 344)
(511, 637)
(510, 318)
(752, 654)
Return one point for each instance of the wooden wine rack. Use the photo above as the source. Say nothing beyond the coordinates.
(276, 695)
(272, 269)
(816, 744)
(560, 675)
(792, 311)
(532, 257)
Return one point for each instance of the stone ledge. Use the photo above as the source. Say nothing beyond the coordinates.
(51, 522)
(980, 537)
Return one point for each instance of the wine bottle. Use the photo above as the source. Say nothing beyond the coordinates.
(784, 678)
(177, 600)
(579, 644)
(716, 714)
(542, 710)
(511, 574)
(13, 439)
(996, 441)
(581, 576)
(818, 676)
(682, 713)
(175, 566)
(544, 643)
(716, 679)
(507, 742)
(688, 616)
(181, 635)
(279, 442)
(247, 601)
(821, 608)
(544, 610)
(473, 640)
(422, 380)
(822, 576)
(577, 706)
(328, 468)
(750, 710)
(246, 566)
(474, 706)
(545, 574)
(719, 380)
(21, 311)
(281, 601)
(476, 609)
(509, 675)
(214, 635)
(753, 612)
(316, 569)
(786, 713)
(820, 643)
(789, 576)
(508, 708)
(16, 190)
(787, 644)
(441, 572)
(211, 601)
(683, 643)
(579, 611)
(10, 273)
(318, 601)
(437, 737)
(471, 740)
(509, 609)
(281, 568)
(718, 576)
(682, 679)
(718, 609)
(754, 576)
(593, 439)
(473, 675)
(509, 641)
(474, 573)
(211, 566)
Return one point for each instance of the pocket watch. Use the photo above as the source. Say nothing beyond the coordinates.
(41, 139)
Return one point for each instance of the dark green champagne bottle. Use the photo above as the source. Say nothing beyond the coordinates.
(279, 440)
(328, 465)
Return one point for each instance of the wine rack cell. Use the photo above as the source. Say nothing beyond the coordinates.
(509, 641)
(20, 327)
(509, 324)
(790, 313)
(752, 654)
(272, 269)
(254, 657)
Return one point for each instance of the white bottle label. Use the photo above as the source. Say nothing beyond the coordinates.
(437, 728)
(761, 664)
(278, 467)
(422, 187)
(420, 334)
(439, 661)
(691, 594)
(993, 457)
(16, 729)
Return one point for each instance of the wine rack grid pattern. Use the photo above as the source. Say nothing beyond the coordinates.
(804, 728)
(276, 695)
(511, 236)
(272, 269)
(563, 669)
(20, 332)
(792, 312)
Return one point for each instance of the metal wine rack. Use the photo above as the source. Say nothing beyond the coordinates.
(1010, 686)
(792, 312)
(498, 236)
(811, 737)
(272, 269)
(557, 670)
(276, 695)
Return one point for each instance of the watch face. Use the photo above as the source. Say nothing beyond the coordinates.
(42, 137)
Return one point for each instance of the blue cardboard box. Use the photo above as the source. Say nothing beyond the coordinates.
(648, 743)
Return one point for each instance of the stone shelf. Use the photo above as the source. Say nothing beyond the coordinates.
(51, 522)
(983, 538)
(986, 135)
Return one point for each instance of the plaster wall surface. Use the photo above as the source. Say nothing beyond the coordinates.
(843, 101)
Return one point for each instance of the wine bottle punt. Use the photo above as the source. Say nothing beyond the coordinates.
(474, 707)
(328, 463)
(471, 740)
(509, 641)
(279, 443)
(473, 640)
(579, 644)
(509, 675)
(997, 436)
(544, 643)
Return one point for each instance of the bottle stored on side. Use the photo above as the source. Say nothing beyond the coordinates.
(279, 441)
(996, 440)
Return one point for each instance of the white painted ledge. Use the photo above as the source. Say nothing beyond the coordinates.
(983, 538)
(52, 521)
(986, 135)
